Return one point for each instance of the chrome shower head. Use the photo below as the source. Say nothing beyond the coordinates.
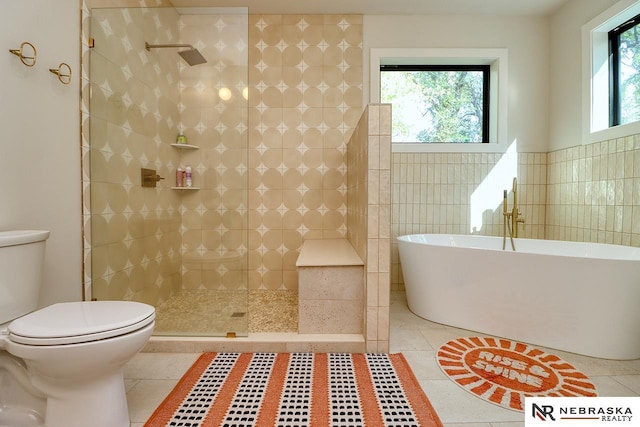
(191, 56)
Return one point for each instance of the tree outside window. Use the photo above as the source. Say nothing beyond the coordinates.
(435, 103)
(624, 42)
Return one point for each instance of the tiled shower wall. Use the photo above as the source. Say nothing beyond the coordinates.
(594, 193)
(432, 193)
(368, 215)
(213, 116)
(305, 98)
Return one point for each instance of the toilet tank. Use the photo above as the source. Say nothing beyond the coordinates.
(21, 260)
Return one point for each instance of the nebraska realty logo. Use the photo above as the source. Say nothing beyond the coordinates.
(582, 411)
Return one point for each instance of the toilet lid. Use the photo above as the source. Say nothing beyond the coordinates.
(78, 322)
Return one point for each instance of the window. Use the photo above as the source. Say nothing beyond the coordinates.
(437, 103)
(599, 109)
(624, 73)
(494, 65)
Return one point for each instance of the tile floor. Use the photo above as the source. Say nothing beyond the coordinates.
(151, 376)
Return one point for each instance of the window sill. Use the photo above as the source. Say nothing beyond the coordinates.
(613, 133)
(447, 148)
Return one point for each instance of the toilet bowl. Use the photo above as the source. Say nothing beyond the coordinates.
(61, 366)
(74, 353)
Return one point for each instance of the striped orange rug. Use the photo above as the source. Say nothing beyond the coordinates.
(297, 389)
(504, 372)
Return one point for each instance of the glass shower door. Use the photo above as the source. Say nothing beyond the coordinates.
(181, 249)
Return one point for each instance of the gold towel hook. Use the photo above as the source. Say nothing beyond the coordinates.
(63, 72)
(29, 61)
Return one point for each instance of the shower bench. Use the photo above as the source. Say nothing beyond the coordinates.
(330, 288)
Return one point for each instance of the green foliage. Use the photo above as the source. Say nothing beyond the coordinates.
(434, 106)
(630, 77)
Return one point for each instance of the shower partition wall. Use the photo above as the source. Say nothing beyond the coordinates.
(180, 249)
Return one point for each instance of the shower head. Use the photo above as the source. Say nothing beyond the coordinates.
(191, 56)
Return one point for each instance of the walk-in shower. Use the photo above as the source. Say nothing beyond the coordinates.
(181, 249)
(191, 56)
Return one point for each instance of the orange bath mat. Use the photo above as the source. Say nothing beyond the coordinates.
(297, 389)
(503, 372)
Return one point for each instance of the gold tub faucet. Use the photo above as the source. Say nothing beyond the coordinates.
(516, 215)
(511, 218)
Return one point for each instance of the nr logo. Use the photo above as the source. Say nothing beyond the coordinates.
(542, 412)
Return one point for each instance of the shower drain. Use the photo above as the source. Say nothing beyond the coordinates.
(238, 314)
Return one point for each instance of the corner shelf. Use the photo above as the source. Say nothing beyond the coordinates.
(185, 146)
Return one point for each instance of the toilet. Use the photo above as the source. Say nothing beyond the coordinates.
(61, 366)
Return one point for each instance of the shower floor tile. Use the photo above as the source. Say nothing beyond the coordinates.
(216, 313)
(273, 311)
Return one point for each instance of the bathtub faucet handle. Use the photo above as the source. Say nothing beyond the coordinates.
(520, 217)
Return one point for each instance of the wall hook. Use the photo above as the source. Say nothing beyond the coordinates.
(29, 61)
(63, 72)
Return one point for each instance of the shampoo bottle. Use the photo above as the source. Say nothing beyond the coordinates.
(188, 178)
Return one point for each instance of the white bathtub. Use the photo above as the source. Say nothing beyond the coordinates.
(579, 297)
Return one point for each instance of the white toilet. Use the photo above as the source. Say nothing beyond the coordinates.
(61, 366)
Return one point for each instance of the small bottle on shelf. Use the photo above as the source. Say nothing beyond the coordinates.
(179, 177)
(188, 177)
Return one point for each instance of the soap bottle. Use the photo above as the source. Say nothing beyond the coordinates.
(179, 177)
(188, 178)
(181, 138)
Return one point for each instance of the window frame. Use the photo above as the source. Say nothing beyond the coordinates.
(486, 91)
(615, 106)
(596, 122)
(496, 58)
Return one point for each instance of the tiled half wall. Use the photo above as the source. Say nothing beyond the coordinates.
(369, 206)
(594, 193)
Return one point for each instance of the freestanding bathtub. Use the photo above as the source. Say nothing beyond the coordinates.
(579, 297)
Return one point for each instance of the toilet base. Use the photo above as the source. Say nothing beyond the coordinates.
(19, 417)
(20, 404)
(100, 403)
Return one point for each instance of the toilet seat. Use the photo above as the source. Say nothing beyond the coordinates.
(80, 322)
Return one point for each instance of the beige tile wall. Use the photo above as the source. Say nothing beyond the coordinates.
(369, 208)
(594, 193)
(305, 98)
(431, 193)
(305, 91)
(213, 116)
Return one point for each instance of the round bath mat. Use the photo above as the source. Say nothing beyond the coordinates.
(503, 372)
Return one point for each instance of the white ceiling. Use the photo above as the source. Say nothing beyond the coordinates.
(386, 7)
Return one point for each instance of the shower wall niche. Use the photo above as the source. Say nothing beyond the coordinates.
(183, 251)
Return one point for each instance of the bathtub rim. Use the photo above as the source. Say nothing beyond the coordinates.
(632, 253)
